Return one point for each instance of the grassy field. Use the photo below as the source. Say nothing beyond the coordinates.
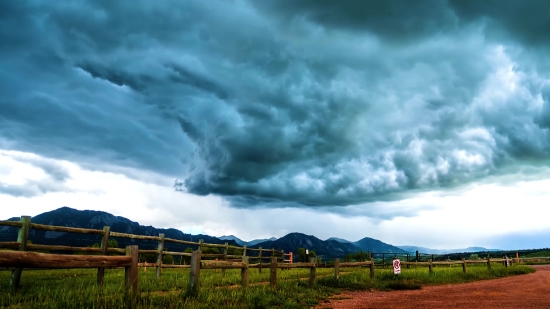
(77, 288)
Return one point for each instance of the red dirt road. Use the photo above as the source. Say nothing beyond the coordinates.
(522, 291)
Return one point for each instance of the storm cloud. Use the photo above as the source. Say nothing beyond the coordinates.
(288, 103)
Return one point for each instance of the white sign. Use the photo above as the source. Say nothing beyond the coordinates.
(396, 267)
(307, 251)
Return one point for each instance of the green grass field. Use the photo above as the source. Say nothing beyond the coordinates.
(77, 288)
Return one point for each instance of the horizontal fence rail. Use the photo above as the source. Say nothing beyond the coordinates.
(21, 259)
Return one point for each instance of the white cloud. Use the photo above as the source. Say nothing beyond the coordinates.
(468, 216)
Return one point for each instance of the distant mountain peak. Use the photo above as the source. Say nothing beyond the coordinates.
(339, 240)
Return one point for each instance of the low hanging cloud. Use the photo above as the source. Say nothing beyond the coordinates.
(286, 103)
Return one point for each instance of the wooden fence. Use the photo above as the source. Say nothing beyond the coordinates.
(22, 244)
(25, 259)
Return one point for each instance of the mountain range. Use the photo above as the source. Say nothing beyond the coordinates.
(412, 249)
(65, 216)
(241, 242)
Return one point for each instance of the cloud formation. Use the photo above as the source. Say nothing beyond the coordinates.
(283, 102)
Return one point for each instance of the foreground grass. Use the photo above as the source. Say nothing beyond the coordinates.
(77, 288)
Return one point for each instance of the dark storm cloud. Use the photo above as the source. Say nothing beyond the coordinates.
(280, 102)
(527, 21)
(393, 20)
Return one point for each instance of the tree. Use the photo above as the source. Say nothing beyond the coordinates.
(167, 259)
(210, 250)
(234, 251)
(112, 243)
(348, 257)
(187, 259)
(474, 256)
(301, 253)
(360, 256)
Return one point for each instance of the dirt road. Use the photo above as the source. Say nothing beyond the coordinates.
(523, 291)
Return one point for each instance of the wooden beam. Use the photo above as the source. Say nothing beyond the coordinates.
(11, 223)
(312, 272)
(131, 273)
(160, 248)
(244, 272)
(104, 246)
(177, 241)
(33, 247)
(22, 237)
(194, 280)
(65, 229)
(10, 245)
(132, 236)
(260, 262)
(46, 260)
(371, 267)
(257, 265)
(273, 272)
(225, 250)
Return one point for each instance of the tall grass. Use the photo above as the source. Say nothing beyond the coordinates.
(77, 288)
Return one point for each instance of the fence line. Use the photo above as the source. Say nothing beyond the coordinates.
(24, 259)
(22, 244)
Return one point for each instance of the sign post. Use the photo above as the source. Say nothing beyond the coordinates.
(396, 267)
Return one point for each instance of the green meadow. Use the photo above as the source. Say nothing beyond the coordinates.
(77, 288)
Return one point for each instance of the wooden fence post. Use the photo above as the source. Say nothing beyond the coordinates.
(244, 272)
(22, 237)
(244, 250)
(194, 280)
(261, 261)
(336, 268)
(371, 266)
(200, 244)
(312, 271)
(273, 272)
(430, 266)
(159, 258)
(104, 246)
(463, 264)
(488, 263)
(408, 260)
(131, 274)
(225, 257)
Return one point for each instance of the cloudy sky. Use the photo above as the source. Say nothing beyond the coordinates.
(414, 122)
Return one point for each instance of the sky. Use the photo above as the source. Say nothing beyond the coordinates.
(417, 123)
